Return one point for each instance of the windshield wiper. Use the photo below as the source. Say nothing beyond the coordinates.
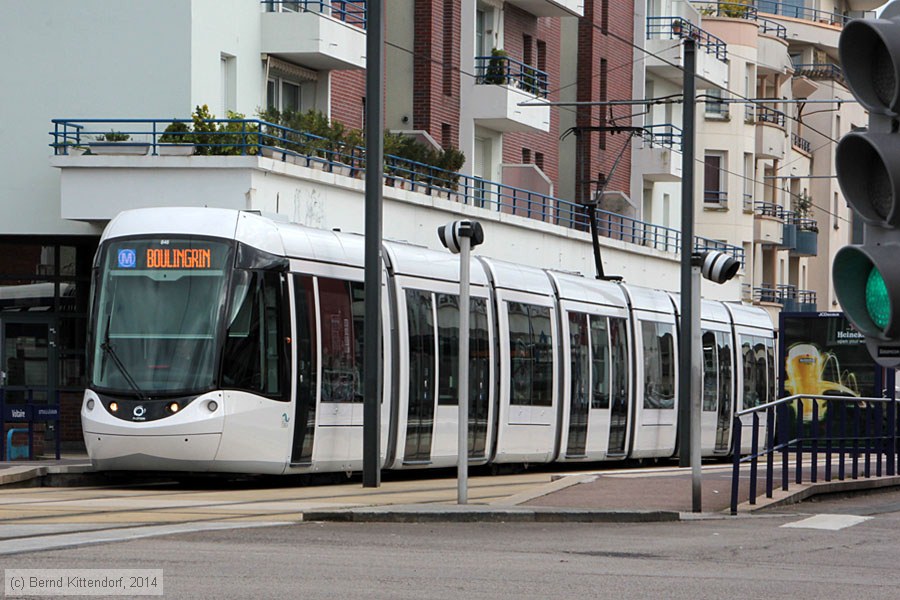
(107, 347)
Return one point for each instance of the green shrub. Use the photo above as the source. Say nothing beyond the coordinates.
(178, 132)
(113, 136)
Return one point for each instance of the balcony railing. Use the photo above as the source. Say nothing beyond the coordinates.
(800, 12)
(675, 28)
(769, 209)
(801, 143)
(820, 71)
(352, 12)
(735, 10)
(504, 70)
(769, 115)
(663, 136)
(715, 198)
(250, 137)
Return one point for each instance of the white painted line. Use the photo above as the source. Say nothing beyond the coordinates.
(85, 538)
(827, 522)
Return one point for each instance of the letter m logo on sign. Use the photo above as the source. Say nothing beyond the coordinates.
(127, 258)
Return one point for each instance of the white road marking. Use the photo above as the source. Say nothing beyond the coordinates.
(84, 538)
(828, 522)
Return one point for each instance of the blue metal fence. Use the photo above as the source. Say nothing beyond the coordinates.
(257, 137)
(503, 70)
(737, 10)
(806, 427)
(675, 28)
(352, 12)
(799, 11)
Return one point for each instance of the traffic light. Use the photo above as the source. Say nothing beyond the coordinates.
(867, 276)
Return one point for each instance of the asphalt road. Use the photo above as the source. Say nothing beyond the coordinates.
(739, 557)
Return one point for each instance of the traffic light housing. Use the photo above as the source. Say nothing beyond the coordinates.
(867, 276)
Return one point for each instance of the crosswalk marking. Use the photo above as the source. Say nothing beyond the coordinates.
(827, 522)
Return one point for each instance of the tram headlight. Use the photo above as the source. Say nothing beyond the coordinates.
(174, 407)
(212, 405)
(90, 404)
(114, 406)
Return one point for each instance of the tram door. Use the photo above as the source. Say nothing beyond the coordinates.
(27, 360)
(598, 387)
(305, 388)
(718, 392)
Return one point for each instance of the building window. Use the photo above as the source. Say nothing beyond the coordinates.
(748, 182)
(283, 94)
(447, 49)
(526, 156)
(446, 136)
(715, 107)
(604, 90)
(714, 179)
(539, 160)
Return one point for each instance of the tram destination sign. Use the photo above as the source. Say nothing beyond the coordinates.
(165, 258)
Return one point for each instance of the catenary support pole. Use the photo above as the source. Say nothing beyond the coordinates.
(373, 219)
(696, 386)
(687, 250)
(462, 490)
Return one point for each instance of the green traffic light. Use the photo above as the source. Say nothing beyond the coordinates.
(877, 302)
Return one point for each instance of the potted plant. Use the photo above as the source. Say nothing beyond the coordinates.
(237, 136)
(204, 130)
(495, 74)
(116, 142)
(176, 140)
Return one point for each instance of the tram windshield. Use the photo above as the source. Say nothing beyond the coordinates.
(158, 310)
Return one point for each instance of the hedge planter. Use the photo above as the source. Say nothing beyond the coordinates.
(120, 148)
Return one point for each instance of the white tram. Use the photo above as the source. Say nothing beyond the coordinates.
(225, 341)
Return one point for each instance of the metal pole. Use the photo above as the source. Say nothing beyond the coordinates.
(465, 245)
(687, 249)
(696, 385)
(373, 219)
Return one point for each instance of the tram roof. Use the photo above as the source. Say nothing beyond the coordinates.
(418, 261)
(591, 291)
(751, 316)
(650, 300)
(710, 310)
(519, 278)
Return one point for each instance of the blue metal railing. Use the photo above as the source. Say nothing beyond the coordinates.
(736, 10)
(503, 70)
(769, 209)
(808, 425)
(664, 135)
(792, 10)
(820, 71)
(801, 143)
(769, 115)
(716, 197)
(250, 137)
(352, 12)
(675, 28)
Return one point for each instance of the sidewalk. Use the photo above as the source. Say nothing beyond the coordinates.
(623, 495)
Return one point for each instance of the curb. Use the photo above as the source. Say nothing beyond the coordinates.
(804, 491)
(486, 514)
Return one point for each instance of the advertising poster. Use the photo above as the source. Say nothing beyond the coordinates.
(822, 354)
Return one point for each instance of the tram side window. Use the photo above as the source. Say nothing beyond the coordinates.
(579, 359)
(759, 370)
(421, 351)
(659, 365)
(600, 361)
(531, 355)
(253, 358)
(710, 371)
(341, 311)
(448, 348)
(723, 344)
(619, 361)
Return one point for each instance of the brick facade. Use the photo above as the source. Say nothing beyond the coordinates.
(598, 52)
(436, 69)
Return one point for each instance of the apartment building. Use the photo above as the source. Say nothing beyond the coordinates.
(764, 172)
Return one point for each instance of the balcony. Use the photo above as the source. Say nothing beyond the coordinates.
(794, 300)
(503, 83)
(659, 156)
(768, 224)
(712, 53)
(234, 160)
(321, 35)
(807, 237)
(551, 8)
(770, 133)
(820, 71)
